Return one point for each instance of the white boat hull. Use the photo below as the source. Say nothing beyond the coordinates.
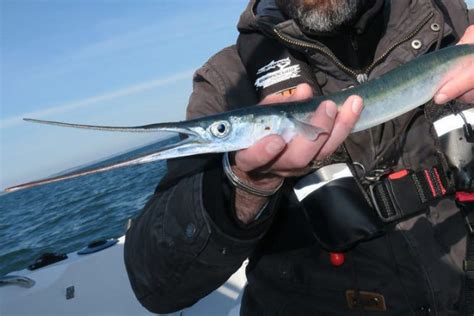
(99, 285)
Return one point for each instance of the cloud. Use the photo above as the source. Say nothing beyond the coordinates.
(136, 88)
(144, 37)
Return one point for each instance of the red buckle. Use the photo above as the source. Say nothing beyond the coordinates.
(464, 197)
(398, 174)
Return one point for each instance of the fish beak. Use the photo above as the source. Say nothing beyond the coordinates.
(195, 138)
(193, 142)
(186, 147)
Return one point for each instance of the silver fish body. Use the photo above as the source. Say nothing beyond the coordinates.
(404, 88)
(389, 96)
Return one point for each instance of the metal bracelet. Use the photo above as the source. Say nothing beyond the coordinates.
(236, 182)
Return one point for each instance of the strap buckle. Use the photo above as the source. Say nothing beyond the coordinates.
(406, 193)
(395, 196)
(389, 214)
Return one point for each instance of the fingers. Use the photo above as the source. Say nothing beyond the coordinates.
(468, 97)
(272, 154)
(268, 148)
(460, 82)
(260, 154)
(345, 121)
(300, 151)
(458, 85)
(468, 37)
(303, 91)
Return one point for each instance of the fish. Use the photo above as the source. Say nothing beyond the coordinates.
(397, 92)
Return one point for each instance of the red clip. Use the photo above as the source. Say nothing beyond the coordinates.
(337, 258)
(398, 174)
(464, 197)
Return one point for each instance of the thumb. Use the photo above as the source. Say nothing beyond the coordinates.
(468, 37)
(301, 92)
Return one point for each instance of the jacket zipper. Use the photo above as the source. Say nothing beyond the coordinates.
(360, 77)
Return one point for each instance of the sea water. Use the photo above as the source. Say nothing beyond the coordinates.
(65, 216)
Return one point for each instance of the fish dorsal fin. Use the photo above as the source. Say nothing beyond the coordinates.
(309, 131)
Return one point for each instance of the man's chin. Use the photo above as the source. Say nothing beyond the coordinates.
(320, 15)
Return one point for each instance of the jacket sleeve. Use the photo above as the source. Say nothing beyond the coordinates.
(187, 242)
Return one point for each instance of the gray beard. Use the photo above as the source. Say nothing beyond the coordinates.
(320, 15)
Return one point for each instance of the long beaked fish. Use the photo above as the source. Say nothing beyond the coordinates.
(391, 95)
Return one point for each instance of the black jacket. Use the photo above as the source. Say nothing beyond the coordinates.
(187, 241)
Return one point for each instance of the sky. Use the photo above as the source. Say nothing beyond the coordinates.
(121, 62)
(98, 62)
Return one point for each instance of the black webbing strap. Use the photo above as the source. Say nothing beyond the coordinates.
(406, 193)
(465, 202)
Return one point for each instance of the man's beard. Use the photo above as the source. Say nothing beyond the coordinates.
(320, 15)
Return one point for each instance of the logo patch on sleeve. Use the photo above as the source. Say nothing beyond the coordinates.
(275, 72)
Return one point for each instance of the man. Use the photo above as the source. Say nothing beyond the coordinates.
(201, 225)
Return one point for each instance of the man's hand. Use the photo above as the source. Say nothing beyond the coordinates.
(461, 82)
(266, 163)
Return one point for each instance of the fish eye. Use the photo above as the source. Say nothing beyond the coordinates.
(220, 129)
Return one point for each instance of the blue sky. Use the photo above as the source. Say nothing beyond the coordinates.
(98, 62)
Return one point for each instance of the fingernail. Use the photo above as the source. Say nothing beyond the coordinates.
(441, 98)
(357, 106)
(331, 109)
(274, 147)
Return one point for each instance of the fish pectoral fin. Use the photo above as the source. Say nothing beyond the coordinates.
(309, 131)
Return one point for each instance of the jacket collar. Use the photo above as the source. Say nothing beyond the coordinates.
(403, 18)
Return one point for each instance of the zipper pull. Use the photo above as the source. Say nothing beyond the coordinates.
(362, 78)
